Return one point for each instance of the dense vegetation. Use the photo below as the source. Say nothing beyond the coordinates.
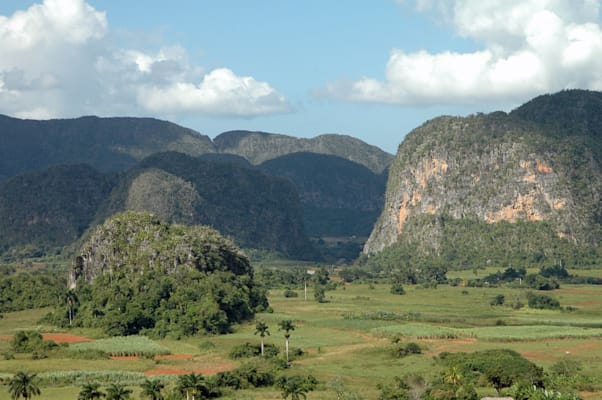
(471, 244)
(107, 144)
(138, 274)
(43, 211)
(256, 210)
(21, 291)
(258, 147)
(339, 197)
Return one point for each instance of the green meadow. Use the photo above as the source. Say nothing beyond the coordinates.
(346, 340)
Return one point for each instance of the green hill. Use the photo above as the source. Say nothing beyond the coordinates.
(138, 274)
(339, 197)
(256, 210)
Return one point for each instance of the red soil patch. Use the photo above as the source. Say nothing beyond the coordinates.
(65, 338)
(174, 357)
(214, 369)
(5, 337)
(124, 358)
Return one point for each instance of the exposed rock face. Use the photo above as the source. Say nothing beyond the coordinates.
(167, 196)
(492, 168)
(136, 243)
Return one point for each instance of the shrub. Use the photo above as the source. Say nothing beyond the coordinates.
(248, 350)
(30, 341)
(498, 300)
(258, 373)
(542, 302)
(401, 350)
(397, 288)
(290, 293)
(538, 282)
(500, 367)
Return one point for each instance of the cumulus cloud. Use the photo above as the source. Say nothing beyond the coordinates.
(527, 47)
(58, 60)
(220, 92)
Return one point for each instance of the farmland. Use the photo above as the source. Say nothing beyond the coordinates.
(346, 341)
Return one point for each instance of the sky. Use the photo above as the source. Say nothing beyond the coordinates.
(373, 69)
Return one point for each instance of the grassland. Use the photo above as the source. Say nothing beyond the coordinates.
(346, 337)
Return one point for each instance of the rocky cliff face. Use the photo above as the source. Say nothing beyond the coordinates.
(498, 168)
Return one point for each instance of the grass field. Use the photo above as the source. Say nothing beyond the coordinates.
(348, 338)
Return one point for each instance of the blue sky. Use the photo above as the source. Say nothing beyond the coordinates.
(371, 69)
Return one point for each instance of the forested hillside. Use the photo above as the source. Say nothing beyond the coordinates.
(136, 273)
(256, 210)
(43, 211)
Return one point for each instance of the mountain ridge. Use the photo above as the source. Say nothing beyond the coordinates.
(117, 143)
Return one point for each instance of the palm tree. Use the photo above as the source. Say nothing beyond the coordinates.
(152, 389)
(70, 298)
(286, 325)
(22, 385)
(261, 328)
(295, 386)
(192, 385)
(90, 391)
(117, 391)
(453, 376)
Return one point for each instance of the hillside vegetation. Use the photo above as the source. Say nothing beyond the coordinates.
(137, 274)
(499, 188)
(339, 197)
(43, 211)
(107, 144)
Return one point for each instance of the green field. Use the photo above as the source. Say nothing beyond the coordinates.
(348, 338)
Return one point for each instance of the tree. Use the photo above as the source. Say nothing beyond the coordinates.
(71, 299)
(287, 326)
(261, 328)
(22, 385)
(90, 391)
(453, 376)
(295, 386)
(152, 389)
(192, 386)
(118, 392)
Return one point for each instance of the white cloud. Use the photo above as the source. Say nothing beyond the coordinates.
(221, 92)
(57, 60)
(527, 47)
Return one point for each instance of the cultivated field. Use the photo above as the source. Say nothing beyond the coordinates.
(347, 339)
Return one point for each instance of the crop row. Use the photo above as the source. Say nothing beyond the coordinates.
(140, 346)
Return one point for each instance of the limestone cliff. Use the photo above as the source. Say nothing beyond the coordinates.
(523, 166)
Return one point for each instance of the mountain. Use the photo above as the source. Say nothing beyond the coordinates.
(339, 197)
(107, 144)
(340, 178)
(41, 211)
(258, 147)
(139, 274)
(256, 210)
(520, 188)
